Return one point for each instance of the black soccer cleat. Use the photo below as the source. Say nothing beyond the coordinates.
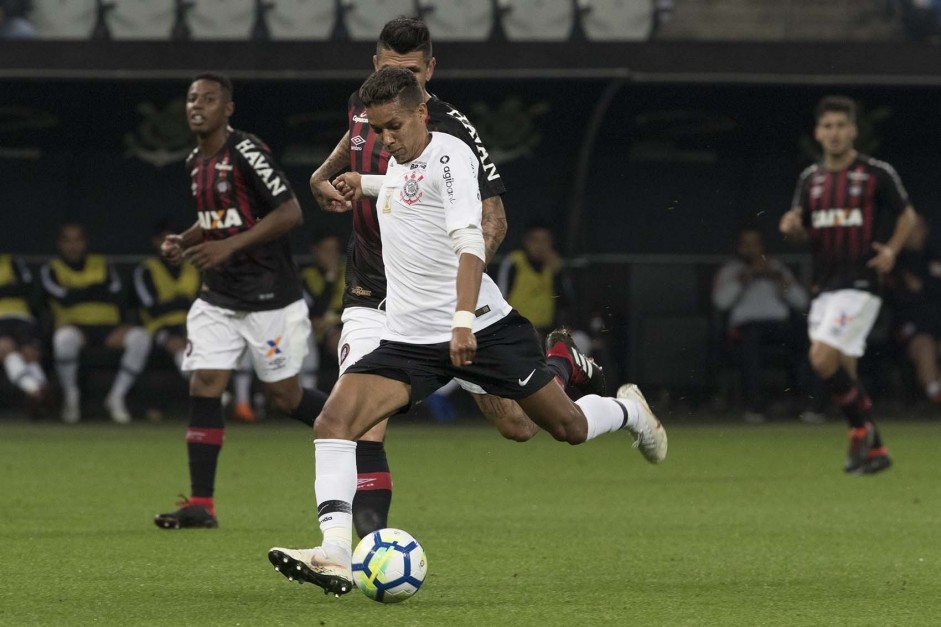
(187, 517)
(312, 566)
(877, 461)
(587, 376)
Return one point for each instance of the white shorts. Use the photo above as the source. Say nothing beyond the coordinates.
(275, 340)
(362, 328)
(842, 319)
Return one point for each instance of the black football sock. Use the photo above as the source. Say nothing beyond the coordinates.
(561, 367)
(373, 488)
(312, 402)
(851, 397)
(203, 442)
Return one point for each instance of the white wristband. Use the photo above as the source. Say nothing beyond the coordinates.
(371, 184)
(463, 320)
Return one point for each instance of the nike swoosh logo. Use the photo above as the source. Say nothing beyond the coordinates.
(523, 382)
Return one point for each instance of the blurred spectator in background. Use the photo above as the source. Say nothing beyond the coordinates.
(914, 290)
(14, 23)
(19, 340)
(85, 295)
(759, 296)
(534, 283)
(324, 281)
(165, 292)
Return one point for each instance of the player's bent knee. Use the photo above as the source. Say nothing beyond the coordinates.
(67, 342)
(332, 425)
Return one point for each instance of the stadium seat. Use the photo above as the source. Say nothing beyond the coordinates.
(141, 19)
(365, 19)
(64, 19)
(222, 19)
(459, 20)
(301, 19)
(618, 20)
(538, 20)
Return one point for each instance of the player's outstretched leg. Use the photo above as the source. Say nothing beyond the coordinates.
(313, 566)
(563, 356)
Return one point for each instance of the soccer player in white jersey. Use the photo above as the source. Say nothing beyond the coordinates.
(445, 319)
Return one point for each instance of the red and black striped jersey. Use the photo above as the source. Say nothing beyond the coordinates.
(365, 272)
(233, 190)
(845, 211)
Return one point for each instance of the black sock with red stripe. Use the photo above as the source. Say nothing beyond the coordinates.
(203, 442)
(851, 397)
(561, 366)
(312, 402)
(373, 488)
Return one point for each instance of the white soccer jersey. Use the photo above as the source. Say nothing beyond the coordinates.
(420, 203)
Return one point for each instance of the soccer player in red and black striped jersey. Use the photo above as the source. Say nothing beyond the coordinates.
(857, 216)
(406, 42)
(250, 298)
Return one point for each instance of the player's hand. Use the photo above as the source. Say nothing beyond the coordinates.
(463, 346)
(349, 184)
(791, 224)
(209, 254)
(329, 198)
(171, 249)
(884, 259)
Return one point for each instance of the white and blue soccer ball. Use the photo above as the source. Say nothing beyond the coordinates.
(389, 565)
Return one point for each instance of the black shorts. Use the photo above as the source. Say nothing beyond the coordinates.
(23, 332)
(509, 362)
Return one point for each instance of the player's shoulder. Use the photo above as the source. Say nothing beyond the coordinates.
(246, 142)
(446, 144)
(809, 171)
(876, 164)
(446, 118)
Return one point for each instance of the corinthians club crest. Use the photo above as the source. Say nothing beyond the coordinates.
(411, 191)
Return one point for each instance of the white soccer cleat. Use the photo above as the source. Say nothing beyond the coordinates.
(118, 410)
(331, 572)
(651, 438)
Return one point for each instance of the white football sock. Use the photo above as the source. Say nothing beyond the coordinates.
(335, 487)
(36, 371)
(137, 344)
(66, 346)
(19, 374)
(607, 415)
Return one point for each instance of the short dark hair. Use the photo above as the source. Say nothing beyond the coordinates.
(403, 35)
(221, 79)
(389, 84)
(836, 104)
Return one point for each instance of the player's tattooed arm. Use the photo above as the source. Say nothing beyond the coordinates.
(324, 193)
(493, 224)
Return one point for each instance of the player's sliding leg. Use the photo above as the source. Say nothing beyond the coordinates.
(357, 403)
(299, 403)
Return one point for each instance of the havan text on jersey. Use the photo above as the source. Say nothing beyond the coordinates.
(262, 167)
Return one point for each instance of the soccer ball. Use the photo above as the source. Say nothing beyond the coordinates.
(389, 565)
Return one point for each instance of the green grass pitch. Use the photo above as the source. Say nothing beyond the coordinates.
(740, 526)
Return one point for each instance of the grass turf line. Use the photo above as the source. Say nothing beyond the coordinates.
(740, 526)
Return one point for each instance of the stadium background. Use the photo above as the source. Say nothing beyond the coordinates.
(645, 132)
